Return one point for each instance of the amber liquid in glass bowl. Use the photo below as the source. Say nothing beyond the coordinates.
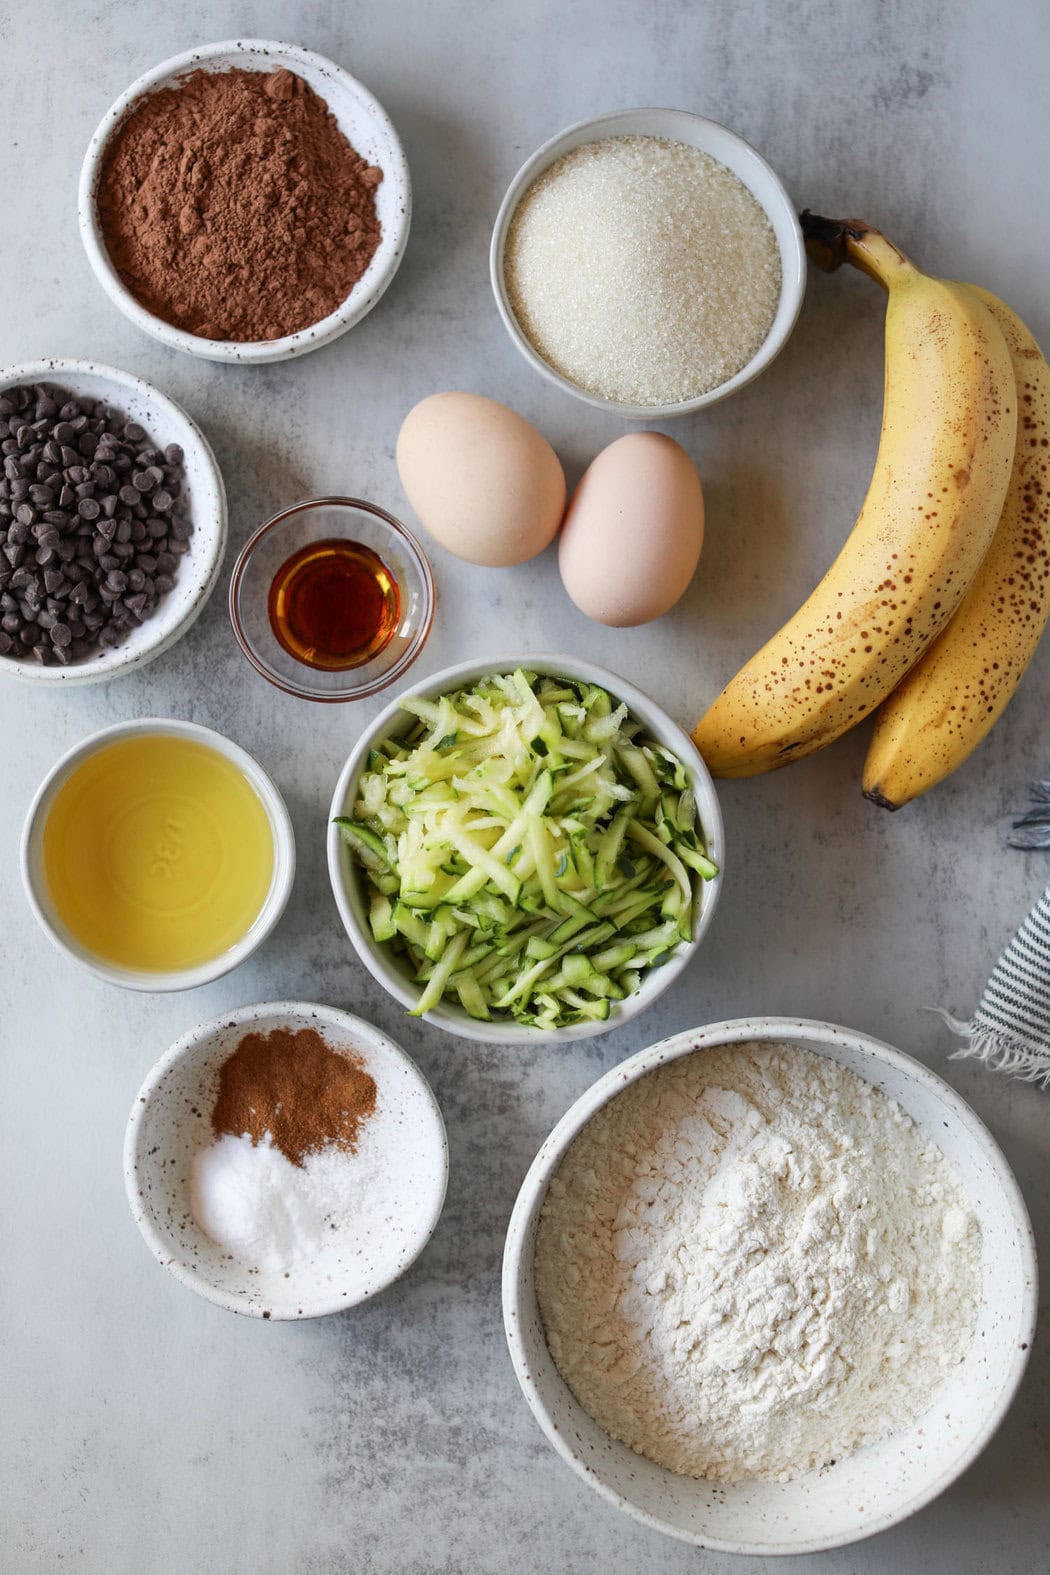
(334, 604)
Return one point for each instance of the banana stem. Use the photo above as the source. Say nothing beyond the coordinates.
(832, 242)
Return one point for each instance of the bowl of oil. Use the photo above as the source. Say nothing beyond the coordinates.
(157, 854)
(332, 599)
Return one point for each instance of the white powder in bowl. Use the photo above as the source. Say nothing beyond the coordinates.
(752, 1261)
(643, 270)
(263, 1210)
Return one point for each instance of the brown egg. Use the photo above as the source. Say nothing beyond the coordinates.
(633, 533)
(485, 483)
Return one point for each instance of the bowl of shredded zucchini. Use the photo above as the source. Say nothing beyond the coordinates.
(525, 848)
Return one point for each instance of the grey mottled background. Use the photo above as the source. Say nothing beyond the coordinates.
(143, 1432)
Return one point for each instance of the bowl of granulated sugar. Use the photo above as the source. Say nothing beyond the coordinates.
(649, 262)
(769, 1286)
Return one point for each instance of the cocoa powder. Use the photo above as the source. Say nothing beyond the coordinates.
(297, 1089)
(233, 207)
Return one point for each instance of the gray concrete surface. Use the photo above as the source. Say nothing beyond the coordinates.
(144, 1432)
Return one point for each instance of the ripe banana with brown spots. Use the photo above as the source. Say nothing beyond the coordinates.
(935, 497)
(946, 705)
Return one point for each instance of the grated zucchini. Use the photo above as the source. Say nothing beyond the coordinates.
(528, 851)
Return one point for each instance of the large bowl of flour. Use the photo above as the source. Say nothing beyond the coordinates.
(769, 1286)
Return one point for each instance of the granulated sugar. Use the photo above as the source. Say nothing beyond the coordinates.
(643, 270)
(752, 1261)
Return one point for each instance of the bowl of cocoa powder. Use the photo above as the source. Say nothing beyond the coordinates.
(246, 201)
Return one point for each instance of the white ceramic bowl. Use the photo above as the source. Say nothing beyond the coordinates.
(366, 126)
(676, 125)
(34, 878)
(350, 889)
(882, 1483)
(166, 422)
(408, 1169)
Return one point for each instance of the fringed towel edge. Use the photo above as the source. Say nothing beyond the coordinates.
(1002, 1051)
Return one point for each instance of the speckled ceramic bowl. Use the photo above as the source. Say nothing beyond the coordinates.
(366, 126)
(406, 1152)
(882, 1483)
(199, 568)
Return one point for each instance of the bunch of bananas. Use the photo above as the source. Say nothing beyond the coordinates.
(935, 605)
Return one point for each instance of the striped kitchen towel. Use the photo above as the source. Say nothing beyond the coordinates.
(1011, 1026)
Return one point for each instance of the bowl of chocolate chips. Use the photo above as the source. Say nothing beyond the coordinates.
(112, 522)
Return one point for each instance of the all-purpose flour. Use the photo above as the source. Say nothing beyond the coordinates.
(752, 1261)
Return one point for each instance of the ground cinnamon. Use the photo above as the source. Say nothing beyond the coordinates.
(233, 207)
(297, 1089)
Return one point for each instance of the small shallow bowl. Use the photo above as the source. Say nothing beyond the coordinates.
(34, 877)
(350, 890)
(170, 1121)
(366, 126)
(880, 1484)
(321, 519)
(199, 568)
(675, 125)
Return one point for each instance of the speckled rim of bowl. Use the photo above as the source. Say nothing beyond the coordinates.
(251, 352)
(722, 144)
(309, 1013)
(34, 879)
(209, 516)
(346, 885)
(410, 653)
(812, 1035)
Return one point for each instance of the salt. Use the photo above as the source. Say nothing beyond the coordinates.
(262, 1209)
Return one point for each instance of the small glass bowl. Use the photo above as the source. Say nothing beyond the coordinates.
(325, 519)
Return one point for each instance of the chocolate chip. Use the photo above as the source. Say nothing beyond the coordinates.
(91, 523)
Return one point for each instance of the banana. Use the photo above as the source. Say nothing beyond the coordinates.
(954, 696)
(940, 478)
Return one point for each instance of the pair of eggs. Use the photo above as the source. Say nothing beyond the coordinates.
(490, 489)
